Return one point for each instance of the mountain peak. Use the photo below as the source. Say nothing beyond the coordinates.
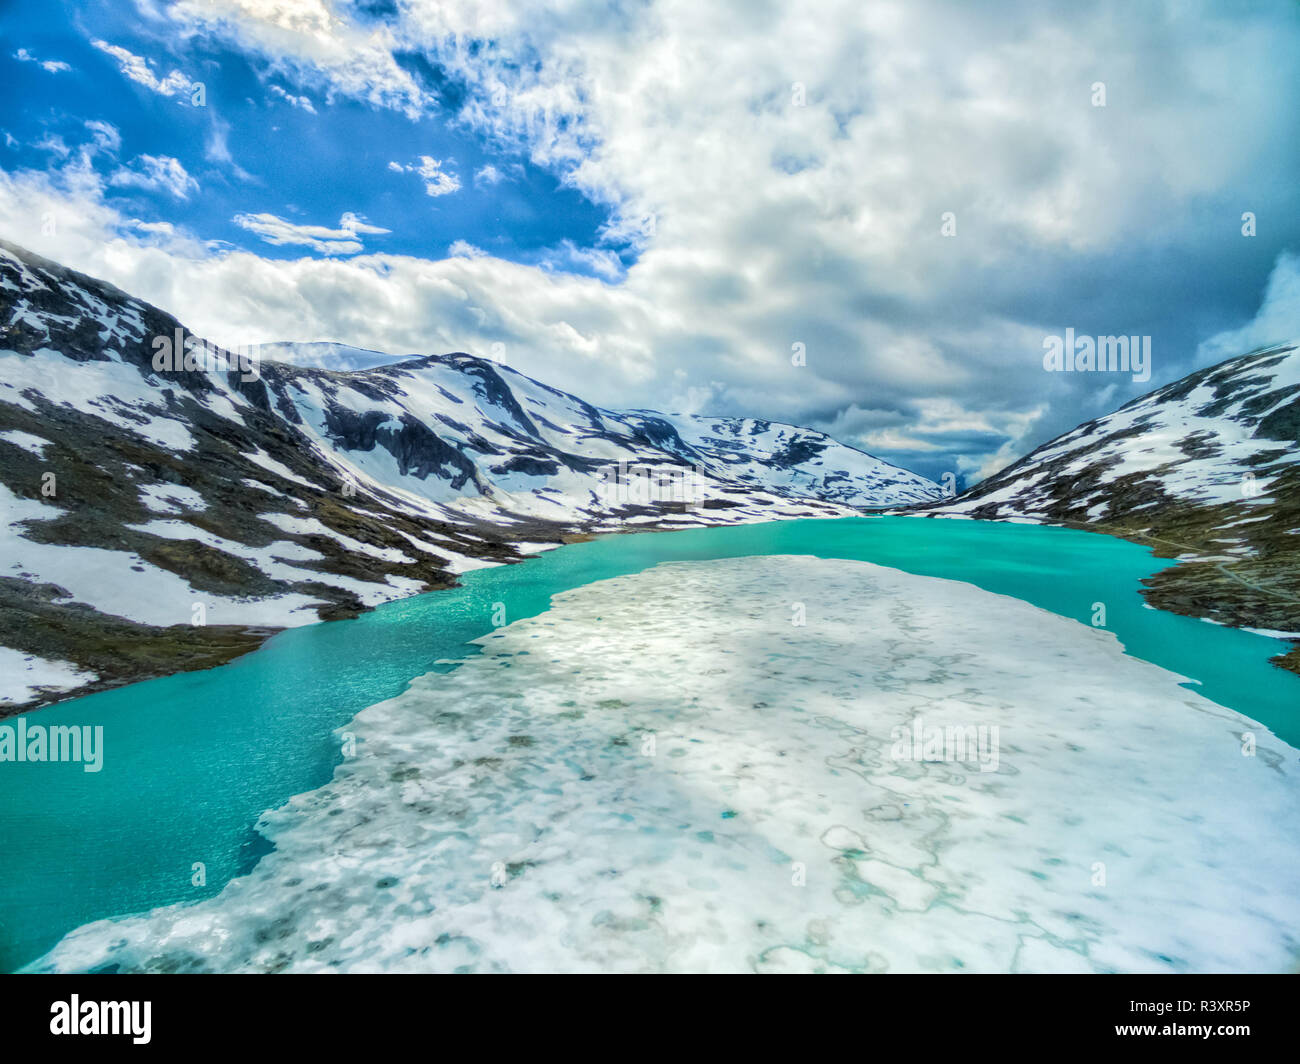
(317, 480)
(1205, 470)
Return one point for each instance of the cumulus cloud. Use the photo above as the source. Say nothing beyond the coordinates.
(340, 241)
(1277, 322)
(568, 256)
(353, 223)
(465, 250)
(783, 174)
(437, 181)
(315, 43)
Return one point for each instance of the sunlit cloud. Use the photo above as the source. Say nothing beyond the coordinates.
(912, 200)
(158, 173)
(138, 69)
(53, 66)
(437, 181)
(340, 241)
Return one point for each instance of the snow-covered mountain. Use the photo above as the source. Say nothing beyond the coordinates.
(763, 455)
(149, 481)
(1206, 469)
(1225, 435)
(475, 436)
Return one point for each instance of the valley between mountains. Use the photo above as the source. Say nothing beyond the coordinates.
(158, 520)
(165, 519)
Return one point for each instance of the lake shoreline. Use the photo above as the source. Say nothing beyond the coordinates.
(1180, 589)
(216, 749)
(908, 754)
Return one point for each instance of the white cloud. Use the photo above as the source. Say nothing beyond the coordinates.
(138, 69)
(105, 135)
(161, 228)
(353, 223)
(1278, 320)
(488, 175)
(311, 41)
(53, 66)
(568, 256)
(302, 102)
(782, 170)
(340, 241)
(437, 181)
(156, 173)
(53, 143)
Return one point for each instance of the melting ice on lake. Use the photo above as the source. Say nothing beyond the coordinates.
(664, 772)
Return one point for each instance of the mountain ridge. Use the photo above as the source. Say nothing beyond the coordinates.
(167, 504)
(1204, 470)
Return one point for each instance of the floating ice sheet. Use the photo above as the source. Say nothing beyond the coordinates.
(666, 773)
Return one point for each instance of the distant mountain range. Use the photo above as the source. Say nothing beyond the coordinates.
(150, 482)
(166, 504)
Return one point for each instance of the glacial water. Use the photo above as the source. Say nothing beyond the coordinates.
(191, 761)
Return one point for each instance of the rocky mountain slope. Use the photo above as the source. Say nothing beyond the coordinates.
(165, 504)
(1206, 470)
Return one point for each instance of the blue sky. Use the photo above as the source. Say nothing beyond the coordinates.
(261, 144)
(652, 204)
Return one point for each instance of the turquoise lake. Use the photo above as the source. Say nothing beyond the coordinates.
(191, 761)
